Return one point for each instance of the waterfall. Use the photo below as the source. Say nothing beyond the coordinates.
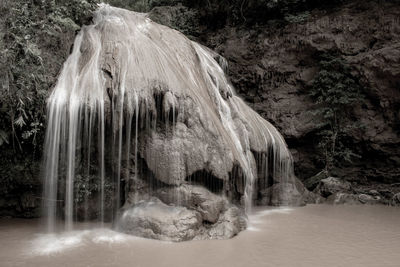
(137, 98)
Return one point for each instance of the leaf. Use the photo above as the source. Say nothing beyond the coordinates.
(20, 121)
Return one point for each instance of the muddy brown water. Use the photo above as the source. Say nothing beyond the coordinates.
(315, 235)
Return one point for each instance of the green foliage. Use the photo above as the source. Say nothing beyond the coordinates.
(259, 11)
(18, 177)
(335, 92)
(33, 30)
(35, 39)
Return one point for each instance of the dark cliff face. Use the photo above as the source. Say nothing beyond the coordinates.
(274, 57)
(272, 68)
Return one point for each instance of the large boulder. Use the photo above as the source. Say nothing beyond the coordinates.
(157, 220)
(154, 219)
(229, 224)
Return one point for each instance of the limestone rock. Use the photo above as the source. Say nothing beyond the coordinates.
(157, 220)
(230, 223)
(194, 197)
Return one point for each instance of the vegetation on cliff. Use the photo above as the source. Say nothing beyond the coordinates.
(335, 91)
(35, 39)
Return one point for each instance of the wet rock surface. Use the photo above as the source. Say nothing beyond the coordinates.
(198, 198)
(281, 194)
(333, 190)
(170, 129)
(197, 214)
(154, 219)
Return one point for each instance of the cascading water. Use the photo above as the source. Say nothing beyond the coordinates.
(138, 99)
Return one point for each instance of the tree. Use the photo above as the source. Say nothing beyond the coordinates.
(335, 91)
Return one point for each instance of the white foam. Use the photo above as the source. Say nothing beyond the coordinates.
(262, 213)
(255, 218)
(48, 244)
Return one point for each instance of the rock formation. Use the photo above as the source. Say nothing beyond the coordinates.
(272, 60)
(148, 118)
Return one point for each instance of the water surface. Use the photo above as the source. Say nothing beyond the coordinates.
(315, 235)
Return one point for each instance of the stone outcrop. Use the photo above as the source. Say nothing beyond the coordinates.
(174, 141)
(157, 220)
(333, 190)
(197, 214)
(198, 198)
(332, 185)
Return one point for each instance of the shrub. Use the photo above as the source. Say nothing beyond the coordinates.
(24, 74)
(335, 92)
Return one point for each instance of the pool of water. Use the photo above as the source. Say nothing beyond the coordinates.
(315, 235)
